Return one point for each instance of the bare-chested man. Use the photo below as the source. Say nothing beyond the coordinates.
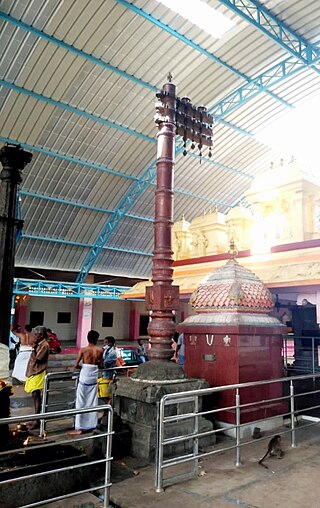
(26, 337)
(87, 389)
(26, 340)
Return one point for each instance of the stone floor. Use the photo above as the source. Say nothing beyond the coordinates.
(81, 501)
(288, 483)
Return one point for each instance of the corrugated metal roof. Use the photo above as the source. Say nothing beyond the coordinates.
(95, 161)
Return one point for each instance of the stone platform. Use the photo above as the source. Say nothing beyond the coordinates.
(137, 398)
(61, 362)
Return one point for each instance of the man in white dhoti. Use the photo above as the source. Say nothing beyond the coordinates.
(87, 389)
(26, 343)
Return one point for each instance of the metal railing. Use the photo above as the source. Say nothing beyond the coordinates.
(63, 377)
(59, 377)
(45, 445)
(301, 354)
(294, 389)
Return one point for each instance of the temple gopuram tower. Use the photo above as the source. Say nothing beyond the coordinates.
(231, 339)
(285, 201)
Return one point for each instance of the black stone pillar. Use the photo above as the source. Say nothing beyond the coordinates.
(13, 159)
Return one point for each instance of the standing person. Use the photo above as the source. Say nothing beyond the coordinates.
(180, 350)
(36, 369)
(110, 356)
(54, 342)
(27, 340)
(29, 336)
(174, 345)
(13, 348)
(87, 389)
(141, 352)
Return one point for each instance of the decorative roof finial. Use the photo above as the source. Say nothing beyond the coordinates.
(233, 251)
(169, 77)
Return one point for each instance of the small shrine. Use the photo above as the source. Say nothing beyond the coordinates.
(231, 339)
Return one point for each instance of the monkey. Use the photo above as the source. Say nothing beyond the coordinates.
(274, 449)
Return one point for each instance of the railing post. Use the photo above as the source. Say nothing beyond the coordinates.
(106, 501)
(159, 447)
(285, 339)
(196, 439)
(293, 431)
(238, 420)
(313, 358)
(44, 405)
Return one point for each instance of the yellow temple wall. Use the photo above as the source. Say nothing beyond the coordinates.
(297, 267)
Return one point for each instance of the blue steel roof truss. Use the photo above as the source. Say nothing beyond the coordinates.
(305, 54)
(252, 88)
(125, 204)
(67, 290)
(190, 43)
(271, 77)
(263, 19)
(98, 61)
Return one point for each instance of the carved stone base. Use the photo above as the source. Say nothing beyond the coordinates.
(136, 402)
(159, 371)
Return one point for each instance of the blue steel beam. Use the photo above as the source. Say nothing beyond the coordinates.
(67, 289)
(193, 45)
(268, 78)
(263, 19)
(219, 165)
(101, 63)
(110, 212)
(277, 73)
(68, 47)
(76, 204)
(80, 244)
(180, 37)
(76, 111)
(104, 169)
(108, 229)
(244, 132)
(76, 160)
(67, 158)
(131, 197)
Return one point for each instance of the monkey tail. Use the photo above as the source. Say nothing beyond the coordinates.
(263, 458)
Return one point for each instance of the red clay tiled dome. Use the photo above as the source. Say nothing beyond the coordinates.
(232, 287)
